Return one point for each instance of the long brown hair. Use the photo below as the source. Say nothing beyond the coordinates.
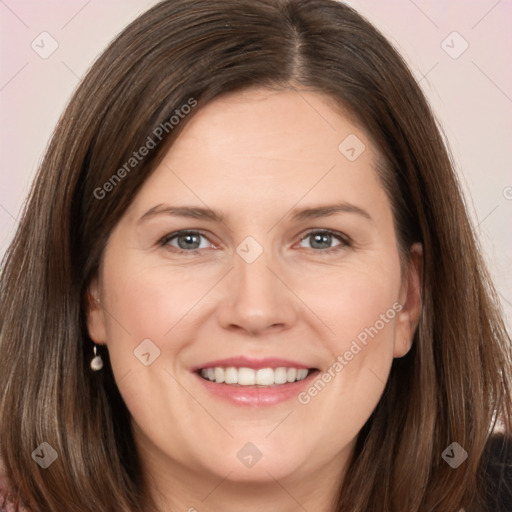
(451, 387)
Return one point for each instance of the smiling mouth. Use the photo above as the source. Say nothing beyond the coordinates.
(262, 377)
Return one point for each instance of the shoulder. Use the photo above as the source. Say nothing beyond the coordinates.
(497, 471)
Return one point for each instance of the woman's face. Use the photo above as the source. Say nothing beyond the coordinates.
(290, 266)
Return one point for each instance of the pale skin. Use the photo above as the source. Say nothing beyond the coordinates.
(256, 157)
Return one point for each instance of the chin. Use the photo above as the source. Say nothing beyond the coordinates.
(257, 462)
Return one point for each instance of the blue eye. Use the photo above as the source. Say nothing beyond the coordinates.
(187, 241)
(322, 240)
(191, 242)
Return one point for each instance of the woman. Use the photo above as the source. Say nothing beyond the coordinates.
(245, 279)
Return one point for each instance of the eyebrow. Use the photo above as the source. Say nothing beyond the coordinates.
(315, 212)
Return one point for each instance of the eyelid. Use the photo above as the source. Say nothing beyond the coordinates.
(164, 241)
(345, 240)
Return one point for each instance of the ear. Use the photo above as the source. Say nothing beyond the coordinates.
(95, 314)
(410, 298)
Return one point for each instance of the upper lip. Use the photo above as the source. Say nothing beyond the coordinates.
(255, 364)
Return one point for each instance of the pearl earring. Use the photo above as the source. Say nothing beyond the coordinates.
(97, 361)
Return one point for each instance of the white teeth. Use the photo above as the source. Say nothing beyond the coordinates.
(249, 377)
(246, 376)
(219, 374)
(231, 375)
(291, 374)
(302, 374)
(265, 377)
(280, 376)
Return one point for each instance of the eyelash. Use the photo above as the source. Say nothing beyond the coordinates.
(344, 240)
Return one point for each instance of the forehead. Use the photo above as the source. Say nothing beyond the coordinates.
(268, 124)
(266, 148)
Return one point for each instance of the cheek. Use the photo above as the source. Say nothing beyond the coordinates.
(155, 303)
(147, 302)
(354, 299)
(144, 305)
(361, 309)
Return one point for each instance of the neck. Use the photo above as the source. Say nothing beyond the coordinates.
(210, 495)
(178, 488)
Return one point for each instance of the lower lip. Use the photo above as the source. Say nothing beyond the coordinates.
(255, 396)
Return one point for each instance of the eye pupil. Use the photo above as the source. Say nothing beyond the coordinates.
(191, 241)
(188, 238)
(321, 238)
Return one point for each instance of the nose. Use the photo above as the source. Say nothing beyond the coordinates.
(257, 298)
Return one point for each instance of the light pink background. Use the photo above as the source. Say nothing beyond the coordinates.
(472, 94)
